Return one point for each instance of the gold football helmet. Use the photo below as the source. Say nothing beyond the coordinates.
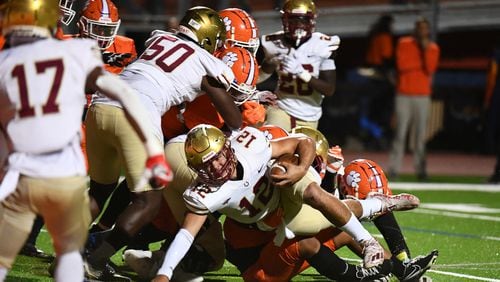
(321, 146)
(299, 20)
(32, 18)
(209, 154)
(204, 26)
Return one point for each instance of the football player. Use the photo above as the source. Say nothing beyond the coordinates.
(304, 62)
(174, 68)
(361, 177)
(99, 20)
(245, 69)
(258, 259)
(42, 93)
(232, 179)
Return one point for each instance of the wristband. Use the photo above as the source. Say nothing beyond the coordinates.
(305, 76)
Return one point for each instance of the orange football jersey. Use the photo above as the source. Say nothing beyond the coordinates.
(122, 45)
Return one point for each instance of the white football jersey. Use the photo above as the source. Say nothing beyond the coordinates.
(42, 95)
(248, 199)
(169, 72)
(295, 96)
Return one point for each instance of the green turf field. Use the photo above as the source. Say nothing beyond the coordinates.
(463, 224)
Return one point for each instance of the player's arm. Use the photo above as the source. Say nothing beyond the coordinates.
(180, 245)
(222, 101)
(325, 83)
(301, 145)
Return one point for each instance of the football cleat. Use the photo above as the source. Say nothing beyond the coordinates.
(92, 272)
(415, 268)
(399, 202)
(379, 273)
(144, 263)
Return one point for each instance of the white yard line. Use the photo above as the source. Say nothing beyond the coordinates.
(457, 214)
(463, 275)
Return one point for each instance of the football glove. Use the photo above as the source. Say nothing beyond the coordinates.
(335, 159)
(253, 113)
(158, 171)
(116, 59)
(291, 64)
(266, 97)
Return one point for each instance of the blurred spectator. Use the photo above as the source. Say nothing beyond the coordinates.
(376, 103)
(242, 4)
(492, 107)
(416, 61)
(172, 23)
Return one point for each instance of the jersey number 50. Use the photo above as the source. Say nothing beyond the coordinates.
(163, 58)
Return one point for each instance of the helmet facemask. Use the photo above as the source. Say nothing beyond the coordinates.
(298, 28)
(212, 172)
(104, 32)
(66, 7)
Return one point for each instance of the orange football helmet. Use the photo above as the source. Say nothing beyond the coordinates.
(363, 176)
(100, 21)
(241, 29)
(66, 7)
(273, 131)
(246, 72)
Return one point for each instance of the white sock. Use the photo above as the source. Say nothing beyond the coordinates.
(69, 267)
(354, 228)
(370, 207)
(3, 273)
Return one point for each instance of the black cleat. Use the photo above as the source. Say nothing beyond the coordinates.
(32, 251)
(379, 273)
(415, 268)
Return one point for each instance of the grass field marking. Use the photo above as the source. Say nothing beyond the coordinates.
(463, 275)
(457, 214)
(467, 265)
(459, 207)
(414, 186)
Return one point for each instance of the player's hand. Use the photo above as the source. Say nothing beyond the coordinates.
(373, 253)
(335, 159)
(293, 174)
(116, 59)
(291, 64)
(267, 97)
(158, 171)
